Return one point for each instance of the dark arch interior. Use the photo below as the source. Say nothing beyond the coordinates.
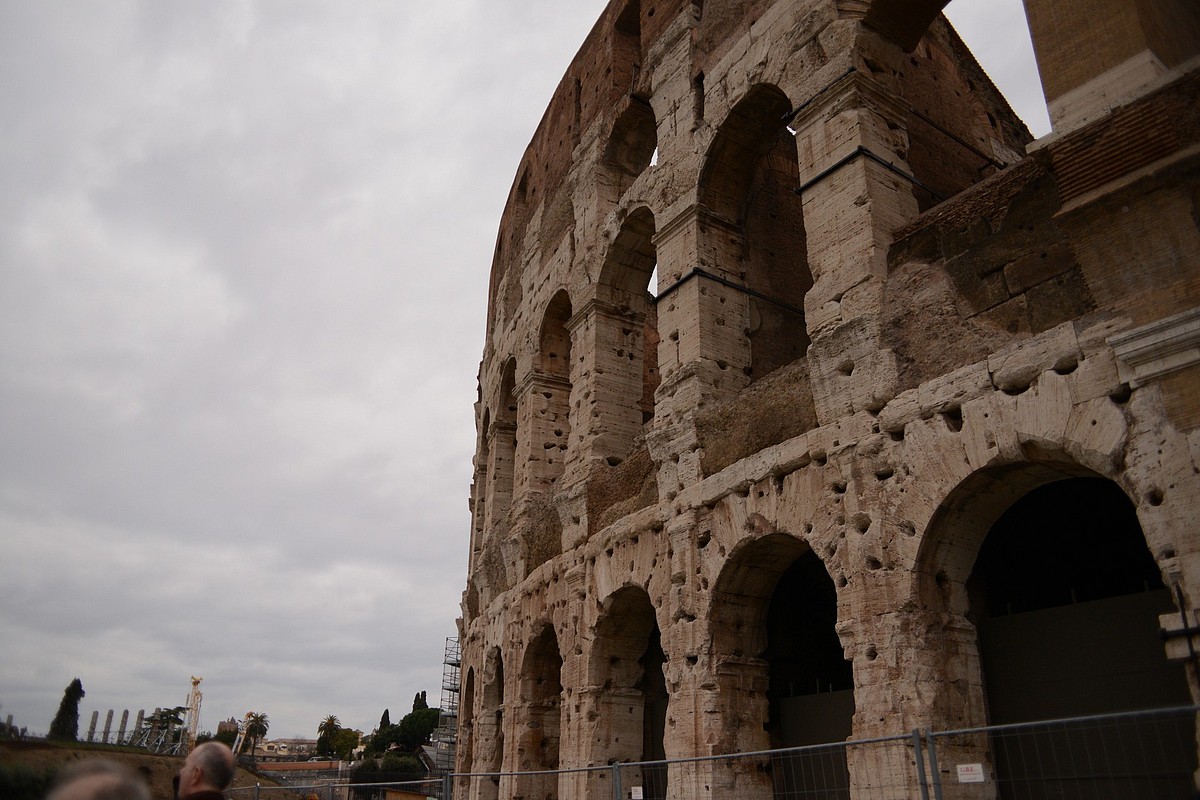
(628, 661)
(748, 179)
(1066, 598)
(811, 684)
(1087, 543)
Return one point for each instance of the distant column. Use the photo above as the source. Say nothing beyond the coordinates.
(92, 727)
(107, 726)
(121, 730)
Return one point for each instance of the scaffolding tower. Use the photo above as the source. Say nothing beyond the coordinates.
(447, 730)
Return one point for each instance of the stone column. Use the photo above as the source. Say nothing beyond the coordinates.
(543, 407)
(500, 471)
(1094, 54)
(107, 726)
(852, 205)
(703, 351)
(92, 728)
(610, 340)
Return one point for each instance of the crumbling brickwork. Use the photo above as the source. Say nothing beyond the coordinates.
(907, 391)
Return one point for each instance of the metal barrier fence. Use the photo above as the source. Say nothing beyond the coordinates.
(341, 790)
(1146, 755)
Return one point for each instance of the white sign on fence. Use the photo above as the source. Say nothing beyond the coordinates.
(635, 793)
(970, 773)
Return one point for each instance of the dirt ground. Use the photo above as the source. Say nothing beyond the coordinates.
(158, 770)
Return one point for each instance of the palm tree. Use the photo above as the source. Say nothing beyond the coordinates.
(326, 730)
(256, 728)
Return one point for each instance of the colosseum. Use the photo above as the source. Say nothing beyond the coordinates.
(819, 402)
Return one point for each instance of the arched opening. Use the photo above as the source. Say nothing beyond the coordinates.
(466, 724)
(774, 610)
(626, 338)
(502, 448)
(631, 146)
(550, 396)
(627, 47)
(811, 688)
(1066, 597)
(540, 726)
(1050, 564)
(489, 727)
(480, 488)
(757, 237)
(626, 667)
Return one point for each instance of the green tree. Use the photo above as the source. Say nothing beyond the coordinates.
(343, 742)
(401, 766)
(65, 725)
(419, 702)
(326, 731)
(416, 728)
(385, 720)
(257, 725)
(165, 718)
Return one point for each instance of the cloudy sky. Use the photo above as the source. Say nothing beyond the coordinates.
(244, 248)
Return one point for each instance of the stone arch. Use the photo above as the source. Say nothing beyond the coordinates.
(625, 671)
(466, 723)
(772, 617)
(489, 727)
(550, 395)
(480, 489)
(632, 143)
(1047, 565)
(625, 323)
(502, 445)
(754, 234)
(539, 719)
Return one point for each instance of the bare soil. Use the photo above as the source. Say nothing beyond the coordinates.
(158, 770)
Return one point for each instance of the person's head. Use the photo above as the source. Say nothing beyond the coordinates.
(209, 767)
(98, 779)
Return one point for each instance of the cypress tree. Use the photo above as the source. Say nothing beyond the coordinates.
(65, 725)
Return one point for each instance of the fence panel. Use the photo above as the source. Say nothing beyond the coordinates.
(1150, 755)
(1134, 756)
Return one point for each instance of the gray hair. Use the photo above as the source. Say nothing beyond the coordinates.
(216, 762)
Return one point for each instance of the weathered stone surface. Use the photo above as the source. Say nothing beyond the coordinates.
(837, 387)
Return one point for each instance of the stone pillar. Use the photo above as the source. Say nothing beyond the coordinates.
(703, 352)
(488, 753)
(543, 414)
(610, 340)
(92, 728)
(1095, 54)
(850, 214)
(107, 726)
(124, 721)
(500, 471)
(916, 668)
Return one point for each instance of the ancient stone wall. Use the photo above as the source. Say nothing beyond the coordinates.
(772, 496)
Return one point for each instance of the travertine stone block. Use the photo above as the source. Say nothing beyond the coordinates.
(877, 375)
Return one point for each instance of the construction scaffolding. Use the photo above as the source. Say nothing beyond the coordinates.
(444, 736)
(170, 731)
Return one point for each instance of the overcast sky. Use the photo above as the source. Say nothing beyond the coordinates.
(244, 250)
